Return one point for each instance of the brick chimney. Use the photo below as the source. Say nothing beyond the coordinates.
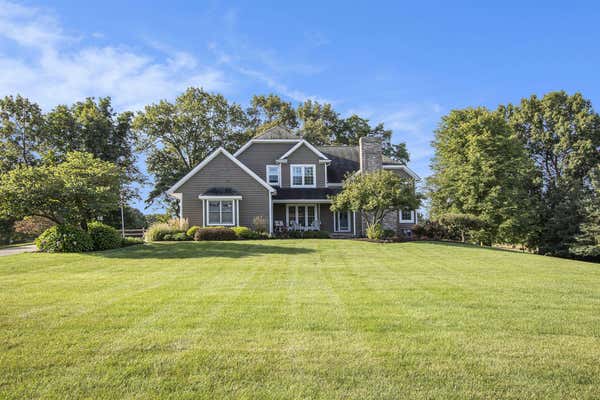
(370, 154)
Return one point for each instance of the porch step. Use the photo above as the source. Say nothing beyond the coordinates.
(340, 235)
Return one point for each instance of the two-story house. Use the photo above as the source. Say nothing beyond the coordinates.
(287, 181)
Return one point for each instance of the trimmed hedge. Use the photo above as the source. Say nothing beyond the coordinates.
(245, 233)
(178, 237)
(64, 239)
(217, 233)
(192, 231)
(104, 237)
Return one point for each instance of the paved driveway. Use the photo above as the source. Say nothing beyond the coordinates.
(17, 250)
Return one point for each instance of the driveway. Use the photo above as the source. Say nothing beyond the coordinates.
(8, 251)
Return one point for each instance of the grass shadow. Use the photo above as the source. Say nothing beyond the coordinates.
(195, 250)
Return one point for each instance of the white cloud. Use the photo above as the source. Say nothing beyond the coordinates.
(52, 67)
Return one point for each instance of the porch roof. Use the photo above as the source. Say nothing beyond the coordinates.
(305, 193)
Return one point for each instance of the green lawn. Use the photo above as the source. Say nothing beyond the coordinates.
(299, 319)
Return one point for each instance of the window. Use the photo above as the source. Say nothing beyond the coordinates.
(273, 174)
(220, 212)
(303, 215)
(303, 175)
(406, 216)
(342, 221)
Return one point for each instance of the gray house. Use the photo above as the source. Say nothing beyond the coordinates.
(285, 179)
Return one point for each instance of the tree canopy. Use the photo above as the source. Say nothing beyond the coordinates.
(74, 191)
(375, 195)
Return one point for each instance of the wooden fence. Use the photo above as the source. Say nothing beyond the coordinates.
(133, 233)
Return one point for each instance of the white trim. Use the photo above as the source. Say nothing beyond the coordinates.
(270, 213)
(208, 159)
(335, 184)
(310, 147)
(215, 197)
(323, 201)
(409, 171)
(278, 174)
(314, 168)
(252, 141)
(306, 206)
(204, 213)
(335, 227)
(406, 221)
(354, 223)
(233, 211)
(326, 183)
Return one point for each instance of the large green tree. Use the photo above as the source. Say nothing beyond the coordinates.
(480, 168)
(177, 136)
(21, 133)
(75, 191)
(92, 126)
(561, 134)
(268, 111)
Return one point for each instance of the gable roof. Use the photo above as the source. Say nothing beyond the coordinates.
(207, 160)
(298, 145)
(277, 132)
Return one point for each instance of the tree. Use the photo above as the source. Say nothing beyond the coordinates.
(461, 223)
(93, 127)
(74, 191)
(268, 111)
(375, 195)
(21, 132)
(177, 136)
(481, 168)
(587, 242)
(134, 218)
(561, 134)
(320, 122)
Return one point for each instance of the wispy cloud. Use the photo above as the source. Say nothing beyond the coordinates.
(51, 66)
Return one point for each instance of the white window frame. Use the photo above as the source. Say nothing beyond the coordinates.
(234, 206)
(295, 207)
(335, 221)
(407, 221)
(303, 166)
(278, 174)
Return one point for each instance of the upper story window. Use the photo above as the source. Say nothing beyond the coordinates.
(406, 216)
(274, 175)
(302, 175)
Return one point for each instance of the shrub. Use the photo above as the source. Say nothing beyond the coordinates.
(180, 237)
(64, 239)
(33, 226)
(104, 237)
(215, 233)
(259, 224)
(192, 231)
(316, 235)
(389, 233)
(431, 230)
(179, 224)
(375, 232)
(245, 233)
(131, 241)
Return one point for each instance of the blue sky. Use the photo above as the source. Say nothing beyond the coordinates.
(402, 63)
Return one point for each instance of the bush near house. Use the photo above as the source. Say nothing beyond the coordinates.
(215, 233)
(192, 231)
(104, 237)
(157, 231)
(308, 235)
(245, 233)
(177, 237)
(64, 239)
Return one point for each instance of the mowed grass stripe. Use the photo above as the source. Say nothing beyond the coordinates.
(299, 319)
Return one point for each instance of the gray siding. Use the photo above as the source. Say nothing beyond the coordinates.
(258, 155)
(222, 172)
(303, 155)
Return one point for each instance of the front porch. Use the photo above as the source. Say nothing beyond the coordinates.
(312, 215)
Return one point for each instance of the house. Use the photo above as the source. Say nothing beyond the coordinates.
(285, 179)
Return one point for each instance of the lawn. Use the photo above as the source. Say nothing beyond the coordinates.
(299, 319)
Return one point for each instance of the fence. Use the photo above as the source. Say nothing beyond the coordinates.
(133, 232)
